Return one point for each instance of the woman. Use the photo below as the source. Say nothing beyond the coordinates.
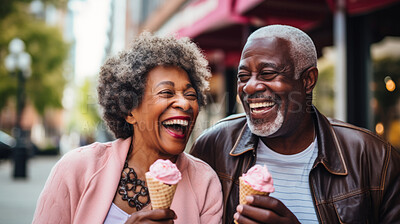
(150, 96)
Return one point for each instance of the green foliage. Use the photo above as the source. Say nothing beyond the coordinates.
(324, 94)
(85, 118)
(8, 7)
(48, 52)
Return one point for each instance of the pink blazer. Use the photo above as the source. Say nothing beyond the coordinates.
(81, 187)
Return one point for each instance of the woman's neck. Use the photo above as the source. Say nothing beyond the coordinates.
(142, 156)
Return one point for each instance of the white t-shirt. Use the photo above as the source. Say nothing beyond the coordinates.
(116, 215)
(290, 174)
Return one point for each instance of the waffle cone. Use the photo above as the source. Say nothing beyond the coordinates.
(246, 190)
(161, 194)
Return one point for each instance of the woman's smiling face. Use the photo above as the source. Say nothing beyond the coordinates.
(168, 111)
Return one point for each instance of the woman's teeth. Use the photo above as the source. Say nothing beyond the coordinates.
(176, 121)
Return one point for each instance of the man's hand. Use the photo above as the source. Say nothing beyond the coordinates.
(263, 209)
(152, 216)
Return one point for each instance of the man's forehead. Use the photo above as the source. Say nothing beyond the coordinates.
(266, 46)
(265, 43)
(264, 40)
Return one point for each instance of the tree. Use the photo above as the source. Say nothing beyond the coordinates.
(324, 93)
(8, 7)
(85, 117)
(48, 51)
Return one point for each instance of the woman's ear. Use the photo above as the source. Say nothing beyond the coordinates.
(310, 79)
(130, 118)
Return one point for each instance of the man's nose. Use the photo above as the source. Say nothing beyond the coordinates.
(253, 85)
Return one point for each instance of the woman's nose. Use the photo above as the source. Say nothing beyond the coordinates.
(181, 102)
(253, 86)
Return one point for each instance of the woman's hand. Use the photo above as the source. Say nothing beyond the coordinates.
(152, 216)
(264, 209)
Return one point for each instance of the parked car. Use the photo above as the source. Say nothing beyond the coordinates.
(7, 144)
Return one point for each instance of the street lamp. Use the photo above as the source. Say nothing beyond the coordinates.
(19, 62)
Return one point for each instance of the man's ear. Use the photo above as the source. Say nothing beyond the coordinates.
(310, 78)
(130, 118)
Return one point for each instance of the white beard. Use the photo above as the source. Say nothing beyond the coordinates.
(262, 128)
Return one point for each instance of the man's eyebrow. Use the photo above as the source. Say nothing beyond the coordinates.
(260, 66)
(266, 64)
(166, 83)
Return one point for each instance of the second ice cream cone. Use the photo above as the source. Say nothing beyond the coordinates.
(246, 190)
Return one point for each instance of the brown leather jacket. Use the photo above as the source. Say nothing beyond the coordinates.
(355, 178)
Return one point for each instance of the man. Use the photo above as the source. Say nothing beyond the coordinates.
(324, 170)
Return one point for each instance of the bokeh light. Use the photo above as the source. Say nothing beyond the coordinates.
(390, 85)
(379, 128)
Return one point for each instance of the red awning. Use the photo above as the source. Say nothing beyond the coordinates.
(305, 14)
(210, 15)
(206, 16)
(354, 7)
(243, 6)
(225, 24)
(213, 26)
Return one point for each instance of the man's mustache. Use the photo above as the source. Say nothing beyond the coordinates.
(270, 97)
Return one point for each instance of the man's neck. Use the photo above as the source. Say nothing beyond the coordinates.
(293, 142)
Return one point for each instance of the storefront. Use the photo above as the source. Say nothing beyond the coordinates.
(221, 28)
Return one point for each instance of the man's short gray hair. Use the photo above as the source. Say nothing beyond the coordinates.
(302, 48)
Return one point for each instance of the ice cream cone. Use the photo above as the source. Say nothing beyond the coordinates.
(161, 194)
(246, 190)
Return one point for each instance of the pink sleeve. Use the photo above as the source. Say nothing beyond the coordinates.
(212, 210)
(56, 203)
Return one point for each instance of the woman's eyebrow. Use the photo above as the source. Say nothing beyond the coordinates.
(166, 83)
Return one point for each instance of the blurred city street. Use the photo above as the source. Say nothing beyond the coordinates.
(18, 197)
(51, 53)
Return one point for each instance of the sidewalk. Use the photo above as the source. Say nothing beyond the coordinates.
(18, 197)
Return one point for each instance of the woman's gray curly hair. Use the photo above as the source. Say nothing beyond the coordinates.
(122, 78)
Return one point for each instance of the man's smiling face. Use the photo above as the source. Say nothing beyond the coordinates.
(268, 88)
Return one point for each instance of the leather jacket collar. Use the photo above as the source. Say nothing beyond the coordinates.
(330, 153)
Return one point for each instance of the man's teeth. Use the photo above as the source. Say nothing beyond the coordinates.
(263, 104)
(176, 121)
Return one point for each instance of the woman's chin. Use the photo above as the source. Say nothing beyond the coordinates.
(173, 148)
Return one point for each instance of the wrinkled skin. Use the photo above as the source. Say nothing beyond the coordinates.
(264, 209)
(266, 77)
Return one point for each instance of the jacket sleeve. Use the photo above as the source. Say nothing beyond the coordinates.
(56, 202)
(202, 148)
(390, 206)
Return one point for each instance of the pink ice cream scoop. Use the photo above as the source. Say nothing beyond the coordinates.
(165, 171)
(259, 178)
